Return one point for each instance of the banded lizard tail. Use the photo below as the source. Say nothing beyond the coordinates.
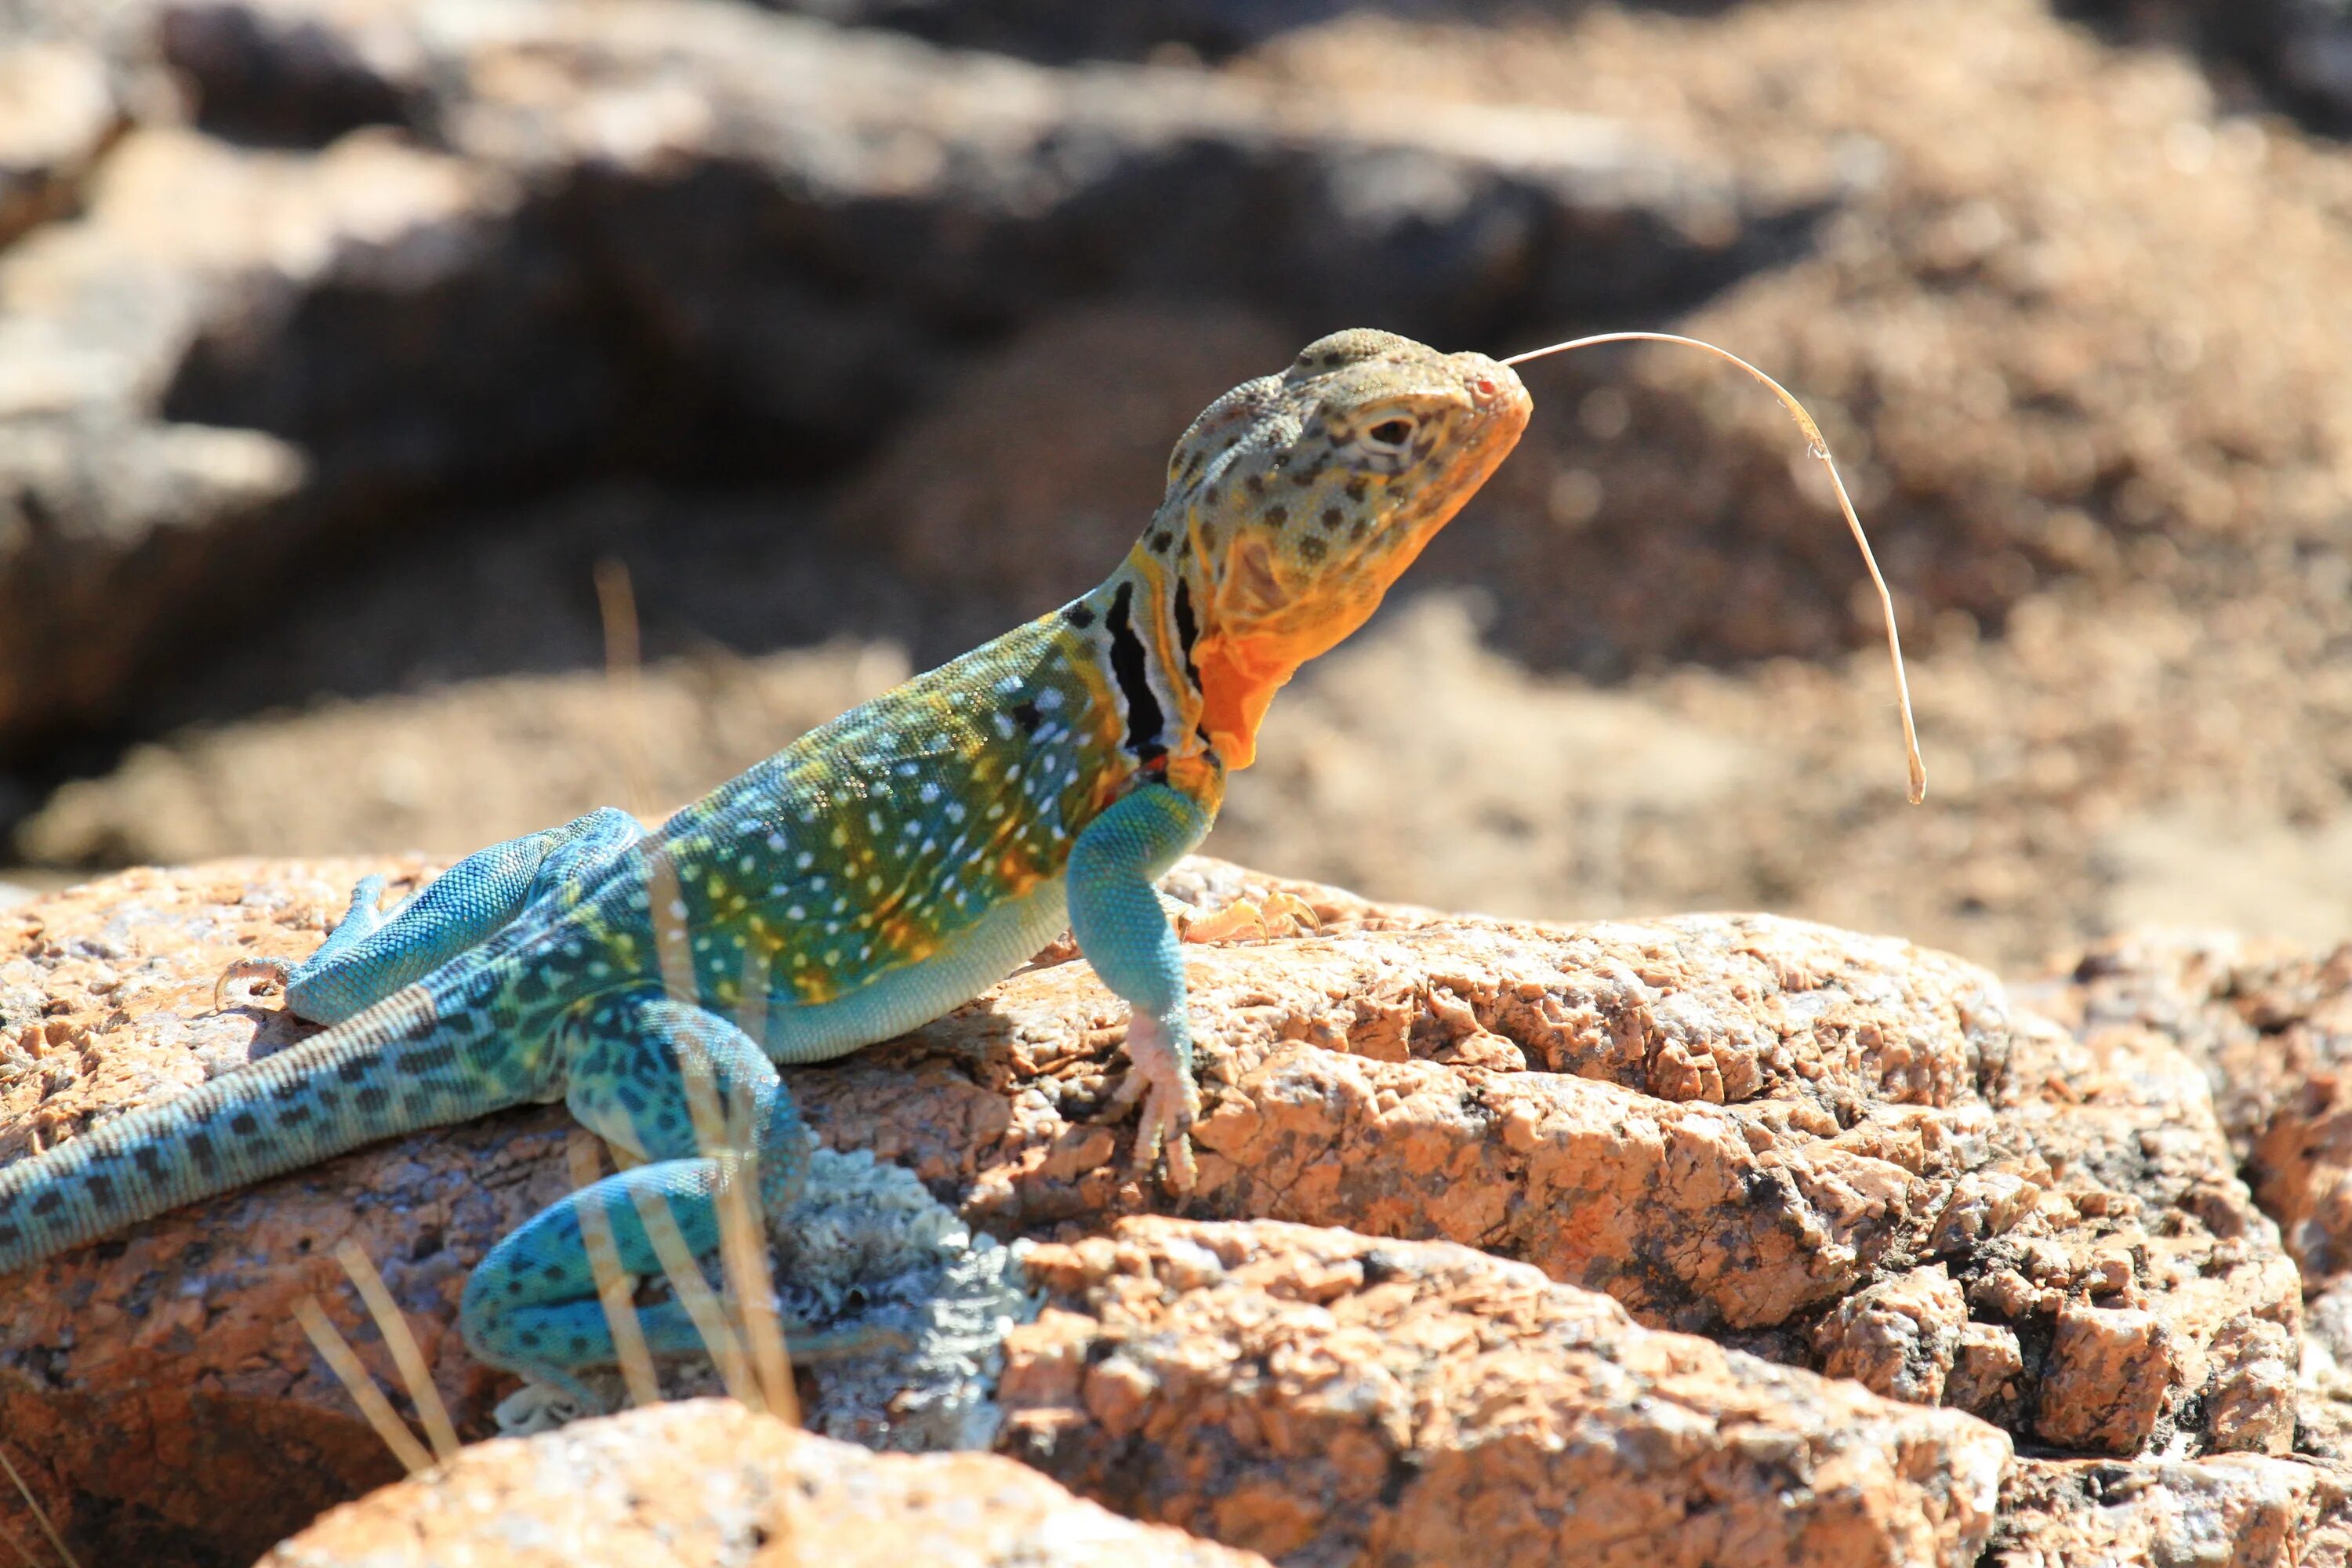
(874, 874)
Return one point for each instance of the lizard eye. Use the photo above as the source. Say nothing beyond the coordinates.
(1389, 435)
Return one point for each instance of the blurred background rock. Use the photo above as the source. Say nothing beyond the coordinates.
(342, 340)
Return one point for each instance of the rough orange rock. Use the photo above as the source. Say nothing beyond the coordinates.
(1772, 1133)
(2271, 1023)
(707, 1481)
(1730, 1123)
(156, 1389)
(1328, 1398)
(1900, 1338)
(2231, 1511)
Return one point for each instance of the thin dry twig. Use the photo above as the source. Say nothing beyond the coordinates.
(26, 1557)
(406, 1356)
(726, 1140)
(743, 1256)
(345, 1363)
(665, 912)
(1818, 447)
(612, 1285)
(40, 1515)
(694, 1295)
(616, 607)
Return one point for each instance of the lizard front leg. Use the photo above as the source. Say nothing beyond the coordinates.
(1124, 933)
(370, 954)
(531, 1305)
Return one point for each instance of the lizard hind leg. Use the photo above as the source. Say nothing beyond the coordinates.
(363, 918)
(531, 1306)
(371, 954)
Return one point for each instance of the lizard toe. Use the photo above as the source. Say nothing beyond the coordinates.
(1172, 1103)
(274, 969)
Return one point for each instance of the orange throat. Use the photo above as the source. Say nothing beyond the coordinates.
(1238, 680)
(1240, 673)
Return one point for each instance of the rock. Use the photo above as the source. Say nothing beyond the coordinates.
(56, 110)
(1005, 187)
(122, 507)
(546, 237)
(1730, 1124)
(1794, 1139)
(2238, 1509)
(966, 493)
(2297, 52)
(2271, 1023)
(2106, 1378)
(1902, 1338)
(297, 75)
(158, 1390)
(1115, 28)
(708, 1482)
(1326, 1397)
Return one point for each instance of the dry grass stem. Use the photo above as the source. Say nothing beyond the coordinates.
(616, 607)
(406, 1356)
(749, 1302)
(744, 1255)
(613, 1288)
(40, 1515)
(712, 1137)
(694, 1295)
(672, 948)
(1819, 448)
(27, 1558)
(345, 1363)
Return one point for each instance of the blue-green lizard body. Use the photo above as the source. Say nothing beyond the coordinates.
(878, 872)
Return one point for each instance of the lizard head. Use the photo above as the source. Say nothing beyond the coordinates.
(1295, 500)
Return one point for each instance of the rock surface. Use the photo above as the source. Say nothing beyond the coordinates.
(1325, 1397)
(1840, 1151)
(708, 1482)
(2241, 1510)
(2271, 1023)
(1731, 1124)
(56, 111)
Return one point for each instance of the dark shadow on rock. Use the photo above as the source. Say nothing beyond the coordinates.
(1055, 33)
(277, 81)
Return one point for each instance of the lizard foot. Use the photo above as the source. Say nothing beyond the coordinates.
(1282, 914)
(1157, 1077)
(276, 969)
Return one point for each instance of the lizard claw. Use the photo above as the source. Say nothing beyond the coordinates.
(1158, 1079)
(276, 969)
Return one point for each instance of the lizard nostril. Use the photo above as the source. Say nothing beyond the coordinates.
(1482, 387)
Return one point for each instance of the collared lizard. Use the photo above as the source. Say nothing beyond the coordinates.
(874, 874)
